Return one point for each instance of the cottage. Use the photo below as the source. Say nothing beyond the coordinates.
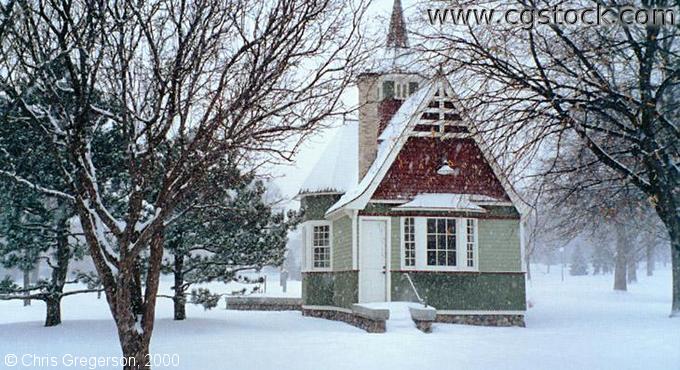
(409, 193)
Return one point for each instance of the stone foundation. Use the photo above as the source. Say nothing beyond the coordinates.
(424, 325)
(423, 317)
(482, 320)
(347, 316)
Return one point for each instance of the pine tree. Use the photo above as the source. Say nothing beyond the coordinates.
(36, 227)
(230, 229)
(578, 265)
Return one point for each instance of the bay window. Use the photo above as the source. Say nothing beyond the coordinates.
(439, 243)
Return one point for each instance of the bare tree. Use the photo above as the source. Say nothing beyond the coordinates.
(588, 202)
(214, 78)
(613, 87)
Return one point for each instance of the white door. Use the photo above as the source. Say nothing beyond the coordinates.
(372, 261)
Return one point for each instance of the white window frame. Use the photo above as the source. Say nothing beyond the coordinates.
(475, 243)
(402, 238)
(421, 245)
(308, 229)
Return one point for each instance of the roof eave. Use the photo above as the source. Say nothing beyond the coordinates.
(307, 193)
(439, 209)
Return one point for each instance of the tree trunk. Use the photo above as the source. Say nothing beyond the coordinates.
(179, 298)
(135, 351)
(134, 329)
(675, 265)
(179, 306)
(130, 325)
(59, 273)
(35, 273)
(27, 283)
(620, 263)
(667, 209)
(632, 272)
(650, 260)
(620, 274)
(53, 316)
(528, 258)
(136, 289)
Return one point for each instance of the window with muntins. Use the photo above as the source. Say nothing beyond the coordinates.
(409, 242)
(471, 233)
(441, 242)
(321, 247)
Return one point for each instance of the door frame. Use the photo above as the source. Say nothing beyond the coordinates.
(388, 250)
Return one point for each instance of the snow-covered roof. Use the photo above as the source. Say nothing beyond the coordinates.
(388, 141)
(443, 201)
(337, 169)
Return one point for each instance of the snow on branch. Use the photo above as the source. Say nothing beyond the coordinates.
(47, 191)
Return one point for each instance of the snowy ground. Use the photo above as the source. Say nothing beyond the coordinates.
(578, 324)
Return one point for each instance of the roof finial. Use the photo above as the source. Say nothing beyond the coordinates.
(396, 36)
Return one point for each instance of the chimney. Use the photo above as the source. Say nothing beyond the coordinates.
(368, 121)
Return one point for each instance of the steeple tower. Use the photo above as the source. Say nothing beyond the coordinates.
(384, 86)
(396, 36)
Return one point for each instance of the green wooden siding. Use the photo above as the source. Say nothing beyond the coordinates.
(463, 291)
(342, 244)
(395, 253)
(315, 206)
(340, 289)
(499, 246)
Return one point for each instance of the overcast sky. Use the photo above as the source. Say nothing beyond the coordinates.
(289, 178)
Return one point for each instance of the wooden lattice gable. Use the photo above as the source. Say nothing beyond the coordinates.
(441, 116)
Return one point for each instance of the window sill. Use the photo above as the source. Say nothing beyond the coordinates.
(437, 269)
(325, 269)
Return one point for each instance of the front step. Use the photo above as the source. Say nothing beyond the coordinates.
(403, 316)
